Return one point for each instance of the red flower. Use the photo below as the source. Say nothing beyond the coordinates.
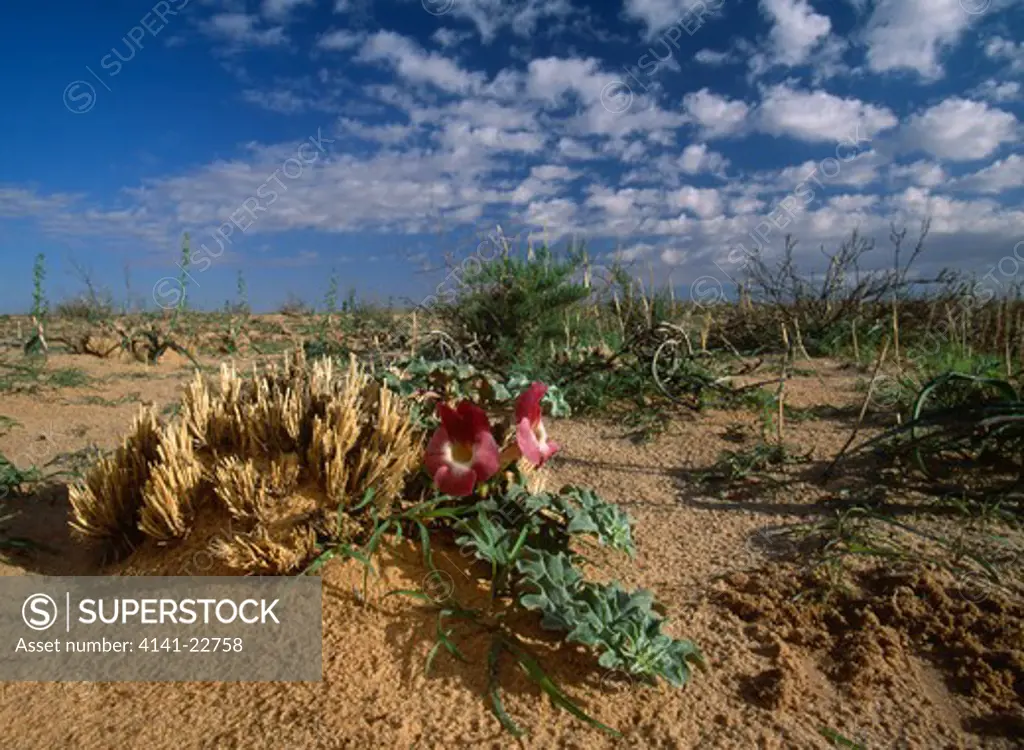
(463, 451)
(530, 433)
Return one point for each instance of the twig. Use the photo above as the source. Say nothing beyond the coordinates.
(863, 409)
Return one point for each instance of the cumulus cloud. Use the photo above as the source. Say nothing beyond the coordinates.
(522, 17)
(960, 130)
(913, 35)
(697, 158)
(1007, 51)
(241, 30)
(659, 15)
(717, 116)
(539, 144)
(820, 116)
(1002, 175)
(703, 202)
(928, 174)
(280, 10)
(339, 39)
(714, 57)
(412, 63)
(998, 91)
(796, 29)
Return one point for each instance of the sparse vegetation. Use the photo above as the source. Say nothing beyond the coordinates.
(323, 459)
(39, 304)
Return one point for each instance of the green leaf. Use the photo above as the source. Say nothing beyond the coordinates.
(621, 625)
(536, 673)
(589, 514)
(493, 656)
(489, 541)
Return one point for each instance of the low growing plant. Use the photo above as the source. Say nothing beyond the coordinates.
(426, 381)
(12, 481)
(527, 546)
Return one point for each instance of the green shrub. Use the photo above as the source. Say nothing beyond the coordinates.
(511, 307)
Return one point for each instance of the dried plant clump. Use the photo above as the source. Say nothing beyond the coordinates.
(257, 552)
(170, 494)
(149, 343)
(98, 346)
(249, 491)
(105, 505)
(273, 457)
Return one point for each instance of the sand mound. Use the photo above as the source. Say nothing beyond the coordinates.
(863, 639)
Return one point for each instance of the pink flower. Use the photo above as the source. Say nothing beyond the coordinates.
(463, 451)
(530, 433)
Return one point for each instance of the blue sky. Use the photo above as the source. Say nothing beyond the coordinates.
(290, 137)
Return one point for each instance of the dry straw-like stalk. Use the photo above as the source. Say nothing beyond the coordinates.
(169, 497)
(239, 487)
(105, 505)
(258, 552)
(277, 453)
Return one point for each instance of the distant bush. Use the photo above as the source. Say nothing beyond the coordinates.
(87, 307)
(295, 306)
(510, 306)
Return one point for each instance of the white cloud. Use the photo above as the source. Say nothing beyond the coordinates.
(853, 203)
(280, 10)
(746, 204)
(553, 78)
(674, 257)
(704, 202)
(796, 29)
(1002, 175)
(412, 63)
(15, 202)
(913, 34)
(554, 82)
(859, 172)
(820, 116)
(460, 136)
(240, 30)
(951, 216)
(615, 203)
(480, 113)
(659, 15)
(571, 148)
(558, 216)
(620, 212)
(656, 124)
(489, 17)
(921, 173)
(338, 40)
(716, 115)
(959, 130)
(550, 172)
(714, 58)
(998, 91)
(448, 37)
(1005, 50)
(697, 158)
(633, 253)
(59, 213)
(390, 134)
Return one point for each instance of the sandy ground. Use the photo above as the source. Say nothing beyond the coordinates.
(765, 688)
